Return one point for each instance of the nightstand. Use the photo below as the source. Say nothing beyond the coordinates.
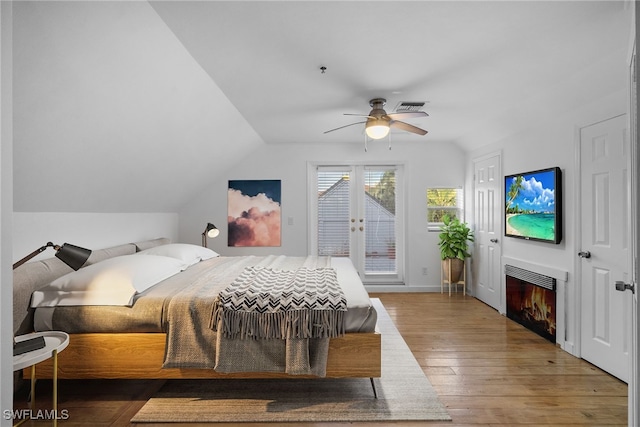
(55, 342)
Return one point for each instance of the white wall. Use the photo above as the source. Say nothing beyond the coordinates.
(427, 164)
(552, 142)
(88, 230)
(6, 209)
(112, 113)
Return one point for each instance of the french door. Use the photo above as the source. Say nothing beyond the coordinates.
(356, 212)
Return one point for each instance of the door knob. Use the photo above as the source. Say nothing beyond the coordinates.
(493, 240)
(583, 254)
(621, 286)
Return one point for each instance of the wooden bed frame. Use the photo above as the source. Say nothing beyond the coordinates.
(140, 356)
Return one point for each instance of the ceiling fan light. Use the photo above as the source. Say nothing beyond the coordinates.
(377, 129)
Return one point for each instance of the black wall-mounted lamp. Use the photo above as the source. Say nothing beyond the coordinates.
(210, 231)
(74, 257)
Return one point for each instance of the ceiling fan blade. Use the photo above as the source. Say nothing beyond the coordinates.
(345, 126)
(407, 115)
(359, 115)
(407, 127)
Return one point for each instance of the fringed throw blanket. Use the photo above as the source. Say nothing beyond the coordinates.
(265, 303)
(191, 343)
(296, 305)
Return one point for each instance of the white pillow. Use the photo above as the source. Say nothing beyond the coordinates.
(190, 254)
(113, 281)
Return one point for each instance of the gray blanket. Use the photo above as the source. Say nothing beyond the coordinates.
(192, 344)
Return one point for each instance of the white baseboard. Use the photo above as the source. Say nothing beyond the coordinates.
(404, 288)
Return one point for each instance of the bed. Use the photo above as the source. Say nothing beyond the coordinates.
(142, 339)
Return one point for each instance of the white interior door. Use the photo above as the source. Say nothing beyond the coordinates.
(605, 245)
(488, 231)
(634, 377)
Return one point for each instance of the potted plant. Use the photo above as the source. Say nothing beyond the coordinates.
(454, 246)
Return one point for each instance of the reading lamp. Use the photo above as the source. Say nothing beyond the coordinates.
(74, 257)
(210, 231)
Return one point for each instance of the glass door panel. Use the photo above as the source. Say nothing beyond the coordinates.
(380, 221)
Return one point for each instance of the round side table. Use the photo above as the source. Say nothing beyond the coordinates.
(55, 342)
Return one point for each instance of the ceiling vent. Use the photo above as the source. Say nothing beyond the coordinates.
(409, 106)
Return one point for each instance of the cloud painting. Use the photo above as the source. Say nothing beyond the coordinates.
(254, 217)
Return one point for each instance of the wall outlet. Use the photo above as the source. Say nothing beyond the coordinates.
(290, 220)
(425, 271)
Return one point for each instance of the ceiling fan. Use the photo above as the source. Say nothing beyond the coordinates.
(379, 123)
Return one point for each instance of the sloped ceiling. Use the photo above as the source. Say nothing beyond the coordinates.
(135, 106)
(112, 114)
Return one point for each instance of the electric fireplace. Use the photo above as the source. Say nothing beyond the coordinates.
(531, 301)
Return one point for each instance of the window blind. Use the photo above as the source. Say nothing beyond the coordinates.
(380, 220)
(334, 196)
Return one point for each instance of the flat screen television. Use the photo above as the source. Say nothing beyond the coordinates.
(533, 205)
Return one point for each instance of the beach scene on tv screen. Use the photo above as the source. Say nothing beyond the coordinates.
(531, 205)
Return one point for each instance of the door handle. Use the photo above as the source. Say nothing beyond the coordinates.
(493, 240)
(621, 286)
(583, 254)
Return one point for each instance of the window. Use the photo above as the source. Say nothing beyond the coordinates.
(441, 202)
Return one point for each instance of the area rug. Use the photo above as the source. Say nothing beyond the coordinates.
(404, 394)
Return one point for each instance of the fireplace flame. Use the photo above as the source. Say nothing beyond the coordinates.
(538, 310)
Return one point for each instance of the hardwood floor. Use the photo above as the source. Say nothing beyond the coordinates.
(487, 370)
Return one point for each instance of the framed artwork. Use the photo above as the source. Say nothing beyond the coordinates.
(254, 217)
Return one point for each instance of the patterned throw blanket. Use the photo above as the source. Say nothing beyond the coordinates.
(191, 342)
(267, 303)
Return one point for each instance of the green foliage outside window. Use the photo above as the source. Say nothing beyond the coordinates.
(442, 202)
(385, 191)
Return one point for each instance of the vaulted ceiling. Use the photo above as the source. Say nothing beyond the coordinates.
(133, 106)
(486, 69)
